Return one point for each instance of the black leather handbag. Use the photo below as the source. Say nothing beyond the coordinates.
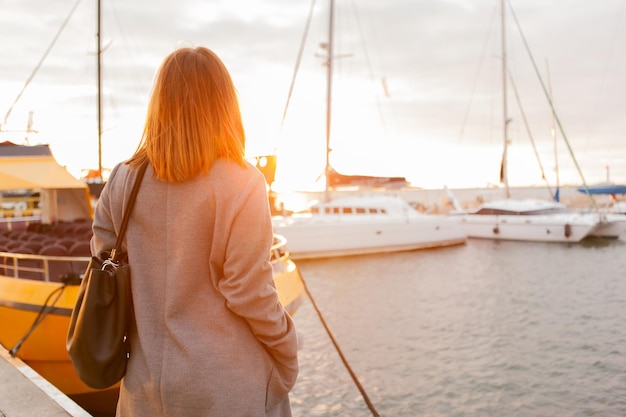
(97, 339)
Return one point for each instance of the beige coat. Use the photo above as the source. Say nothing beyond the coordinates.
(211, 337)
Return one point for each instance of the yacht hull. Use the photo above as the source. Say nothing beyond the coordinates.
(525, 228)
(612, 226)
(314, 238)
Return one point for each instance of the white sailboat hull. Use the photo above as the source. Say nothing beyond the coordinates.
(395, 227)
(612, 226)
(526, 220)
(548, 228)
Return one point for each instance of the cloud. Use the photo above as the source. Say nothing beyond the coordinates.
(440, 61)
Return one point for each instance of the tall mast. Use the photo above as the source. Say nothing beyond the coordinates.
(98, 54)
(329, 85)
(553, 134)
(505, 175)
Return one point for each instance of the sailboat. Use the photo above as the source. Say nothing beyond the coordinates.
(44, 250)
(522, 219)
(612, 218)
(361, 222)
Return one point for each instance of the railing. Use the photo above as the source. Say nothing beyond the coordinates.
(19, 206)
(18, 222)
(51, 268)
(41, 267)
(19, 203)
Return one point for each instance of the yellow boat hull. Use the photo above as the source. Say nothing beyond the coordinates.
(21, 301)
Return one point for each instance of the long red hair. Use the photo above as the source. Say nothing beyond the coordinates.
(193, 117)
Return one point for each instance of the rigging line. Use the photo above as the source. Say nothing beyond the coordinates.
(530, 135)
(43, 312)
(298, 60)
(594, 113)
(556, 117)
(43, 58)
(553, 133)
(478, 71)
(370, 405)
(130, 49)
(369, 64)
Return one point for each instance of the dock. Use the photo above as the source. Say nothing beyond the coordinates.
(24, 393)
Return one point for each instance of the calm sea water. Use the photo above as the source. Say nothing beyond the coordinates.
(482, 329)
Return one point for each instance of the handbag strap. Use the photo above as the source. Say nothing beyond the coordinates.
(131, 202)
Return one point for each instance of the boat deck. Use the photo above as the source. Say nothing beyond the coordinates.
(24, 393)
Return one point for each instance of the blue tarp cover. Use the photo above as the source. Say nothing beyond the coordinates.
(604, 189)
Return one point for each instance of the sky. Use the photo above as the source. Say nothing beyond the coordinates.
(417, 84)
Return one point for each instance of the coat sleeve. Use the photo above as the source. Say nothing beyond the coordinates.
(248, 283)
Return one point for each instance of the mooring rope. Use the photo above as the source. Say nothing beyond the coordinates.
(369, 403)
(43, 312)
